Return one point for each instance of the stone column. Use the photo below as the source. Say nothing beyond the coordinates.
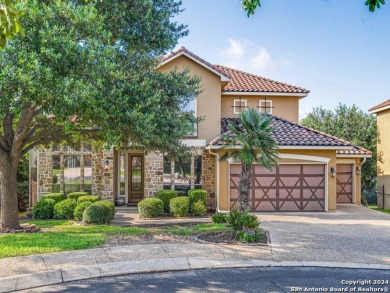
(82, 173)
(173, 175)
(192, 178)
(62, 181)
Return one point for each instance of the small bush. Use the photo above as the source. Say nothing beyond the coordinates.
(199, 209)
(97, 213)
(79, 210)
(65, 209)
(44, 209)
(371, 197)
(76, 195)
(111, 206)
(179, 206)
(150, 207)
(166, 196)
(91, 198)
(196, 195)
(219, 218)
(249, 235)
(251, 221)
(235, 219)
(57, 197)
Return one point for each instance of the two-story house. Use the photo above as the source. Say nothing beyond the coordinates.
(316, 171)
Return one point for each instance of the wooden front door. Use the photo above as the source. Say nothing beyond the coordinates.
(136, 178)
(344, 185)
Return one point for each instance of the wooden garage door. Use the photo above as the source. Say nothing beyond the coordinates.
(284, 189)
(344, 179)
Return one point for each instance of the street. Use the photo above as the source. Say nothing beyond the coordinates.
(274, 280)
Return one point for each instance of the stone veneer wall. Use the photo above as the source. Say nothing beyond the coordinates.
(45, 172)
(209, 179)
(153, 170)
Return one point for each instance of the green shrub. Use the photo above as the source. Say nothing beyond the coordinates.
(251, 221)
(79, 210)
(219, 218)
(111, 206)
(150, 207)
(250, 235)
(369, 197)
(199, 209)
(196, 195)
(97, 213)
(235, 219)
(44, 209)
(65, 209)
(166, 196)
(179, 206)
(76, 195)
(91, 198)
(57, 197)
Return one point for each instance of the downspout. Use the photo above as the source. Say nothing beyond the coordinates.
(217, 179)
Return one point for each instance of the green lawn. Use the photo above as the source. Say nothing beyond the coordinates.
(387, 211)
(60, 235)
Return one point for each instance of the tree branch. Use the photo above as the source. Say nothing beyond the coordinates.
(8, 128)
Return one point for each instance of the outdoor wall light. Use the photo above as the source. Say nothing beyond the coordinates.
(106, 164)
(333, 171)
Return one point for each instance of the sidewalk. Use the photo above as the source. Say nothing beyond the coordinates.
(46, 269)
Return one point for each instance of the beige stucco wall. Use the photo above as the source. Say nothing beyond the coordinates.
(208, 101)
(284, 107)
(223, 184)
(383, 163)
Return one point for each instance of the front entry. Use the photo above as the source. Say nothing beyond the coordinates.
(136, 178)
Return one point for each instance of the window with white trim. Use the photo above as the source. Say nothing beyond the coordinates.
(265, 106)
(239, 105)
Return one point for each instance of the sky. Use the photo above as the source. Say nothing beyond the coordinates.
(335, 48)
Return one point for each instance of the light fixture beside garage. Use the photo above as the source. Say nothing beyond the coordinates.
(333, 171)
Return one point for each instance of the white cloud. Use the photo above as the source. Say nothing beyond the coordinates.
(247, 55)
(304, 111)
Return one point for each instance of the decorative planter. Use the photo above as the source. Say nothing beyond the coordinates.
(119, 201)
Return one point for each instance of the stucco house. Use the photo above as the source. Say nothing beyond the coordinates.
(317, 171)
(382, 112)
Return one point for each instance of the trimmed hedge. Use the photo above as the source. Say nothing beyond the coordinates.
(76, 195)
(166, 196)
(179, 206)
(196, 195)
(97, 213)
(199, 209)
(79, 210)
(65, 209)
(91, 198)
(57, 197)
(150, 207)
(44, 209)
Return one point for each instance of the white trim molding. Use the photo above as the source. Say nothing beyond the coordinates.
(270, 106)
(240, 101)
(379, 110)
(302, 95)
(353, 156)
(223, 78)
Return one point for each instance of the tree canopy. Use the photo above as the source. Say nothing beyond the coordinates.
(87, 69)
(351, 124)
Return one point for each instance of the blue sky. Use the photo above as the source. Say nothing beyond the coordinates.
(335, 48)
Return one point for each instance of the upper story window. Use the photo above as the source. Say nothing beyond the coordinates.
(191, 107)
(265, 106)
(239, 105)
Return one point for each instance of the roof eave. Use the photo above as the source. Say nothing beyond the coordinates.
(293, 147)
(353, 156)
(374, 111)
(228, 93)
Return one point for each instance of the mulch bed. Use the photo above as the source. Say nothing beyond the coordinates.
(227, 237)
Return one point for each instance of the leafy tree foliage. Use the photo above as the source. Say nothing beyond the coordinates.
(351, 124)
(9, 21)
(87, 70)
(251, 5)
(250, 142)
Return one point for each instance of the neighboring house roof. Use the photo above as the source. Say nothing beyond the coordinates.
(197, 59)
(289, 134)
(241, 81)
(381, 107)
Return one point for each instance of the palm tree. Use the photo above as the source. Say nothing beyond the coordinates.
(249, 142)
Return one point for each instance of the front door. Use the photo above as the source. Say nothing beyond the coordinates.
(136, 178)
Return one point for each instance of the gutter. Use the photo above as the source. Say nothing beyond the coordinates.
(361, 164)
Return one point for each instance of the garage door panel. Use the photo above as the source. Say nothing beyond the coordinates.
(344, 183)
(286, 188)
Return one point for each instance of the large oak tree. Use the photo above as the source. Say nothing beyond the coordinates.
(86, 69)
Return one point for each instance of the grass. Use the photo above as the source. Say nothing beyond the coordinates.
(387, 211)
(63, 235)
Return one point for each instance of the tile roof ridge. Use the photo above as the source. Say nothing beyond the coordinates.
(262, 77)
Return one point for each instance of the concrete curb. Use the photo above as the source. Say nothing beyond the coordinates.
(58, 276)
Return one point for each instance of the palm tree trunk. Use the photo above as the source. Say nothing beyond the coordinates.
(244, 187)
(9, 218)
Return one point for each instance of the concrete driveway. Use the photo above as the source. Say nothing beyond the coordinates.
(352, 234)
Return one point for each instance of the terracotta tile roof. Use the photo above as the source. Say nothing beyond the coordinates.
(381, 105)
(355, 151)
(204, 62)
(245, 82)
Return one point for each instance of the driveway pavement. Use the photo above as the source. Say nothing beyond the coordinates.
(352, 234)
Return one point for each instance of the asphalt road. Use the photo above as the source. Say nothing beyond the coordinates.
(233, 280)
